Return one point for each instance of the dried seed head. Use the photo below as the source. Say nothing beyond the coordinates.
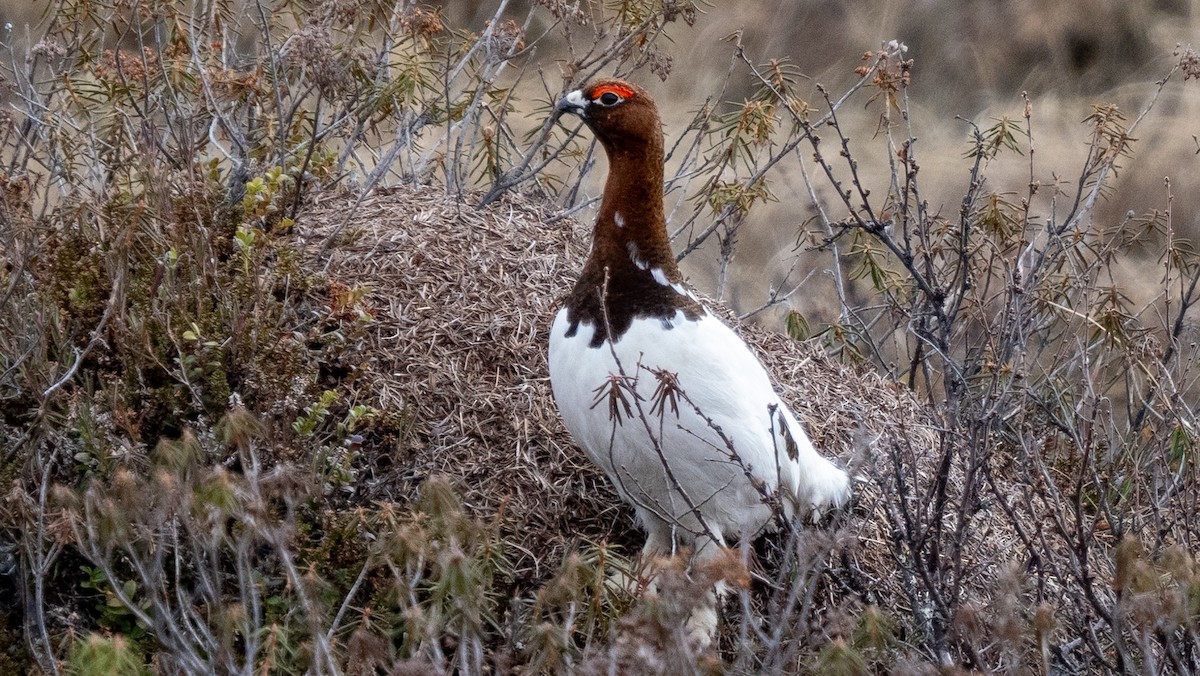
(1189, 63)
(506, 38)
(48, 48)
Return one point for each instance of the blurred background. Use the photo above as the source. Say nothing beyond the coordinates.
(973, 59)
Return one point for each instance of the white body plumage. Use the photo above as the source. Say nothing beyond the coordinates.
(721, 377)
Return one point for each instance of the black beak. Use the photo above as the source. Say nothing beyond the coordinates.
(574, 103)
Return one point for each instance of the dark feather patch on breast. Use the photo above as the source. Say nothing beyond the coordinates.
(634, 295)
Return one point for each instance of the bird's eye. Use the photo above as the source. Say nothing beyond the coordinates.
(609, 99)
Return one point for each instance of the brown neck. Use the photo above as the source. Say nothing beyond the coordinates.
(631, 269)
(631, 222)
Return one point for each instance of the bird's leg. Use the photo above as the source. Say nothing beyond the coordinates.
(709, 567)
(660, 545)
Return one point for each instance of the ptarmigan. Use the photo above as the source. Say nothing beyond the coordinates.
(661, 394)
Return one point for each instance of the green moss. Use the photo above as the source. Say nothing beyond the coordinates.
(97, 655)
(76, 279)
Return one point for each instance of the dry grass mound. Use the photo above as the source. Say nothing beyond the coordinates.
(462, 301)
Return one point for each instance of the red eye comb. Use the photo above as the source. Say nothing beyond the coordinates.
(622, 90)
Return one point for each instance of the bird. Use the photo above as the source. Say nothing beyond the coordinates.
(659, 393)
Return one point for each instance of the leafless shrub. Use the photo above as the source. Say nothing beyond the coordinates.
(1063, 404)
(186, 445)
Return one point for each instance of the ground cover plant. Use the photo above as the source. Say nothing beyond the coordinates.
(274, 290)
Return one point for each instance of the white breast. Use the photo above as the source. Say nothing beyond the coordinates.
(676, 467)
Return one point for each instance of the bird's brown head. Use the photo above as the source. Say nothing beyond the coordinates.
(618, 112)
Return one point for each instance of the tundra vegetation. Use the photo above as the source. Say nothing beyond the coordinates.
(274, 289)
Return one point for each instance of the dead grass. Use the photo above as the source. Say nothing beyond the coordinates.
(1016, 523)
(463, 299)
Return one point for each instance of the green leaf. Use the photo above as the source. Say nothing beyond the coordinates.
(797, 326)
(1178, 444)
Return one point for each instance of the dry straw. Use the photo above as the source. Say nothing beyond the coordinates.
(463, 299)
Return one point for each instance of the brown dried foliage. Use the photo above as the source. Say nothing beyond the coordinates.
(464, 298)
